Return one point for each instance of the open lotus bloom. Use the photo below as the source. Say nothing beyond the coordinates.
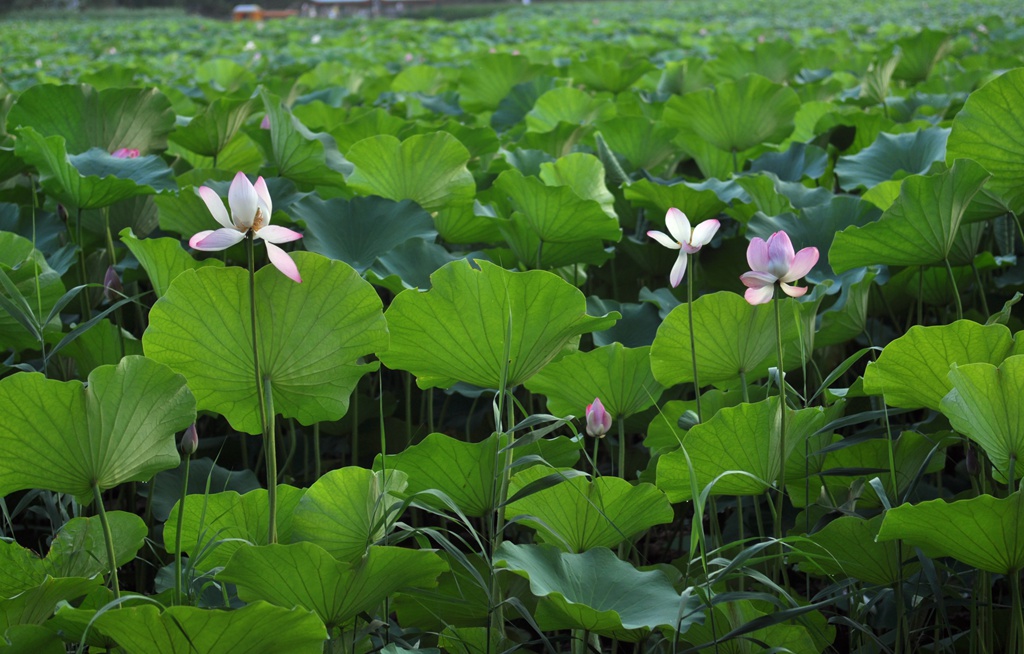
(684, 239)
(774, 261)
(250, 210)
(599, 421)
(125, 153)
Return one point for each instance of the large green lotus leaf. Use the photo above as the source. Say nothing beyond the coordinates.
(360, 230)
(184, 212)
(732, 337)
(736, 115)
(743, 438)
(772, 196)
(990, 130)
(463, 471)
(93, 179)
(912, 371)
(532, 252)
(111, 119)
(919, 229)
(210, 131)
(643, 143)
(311, 338)
(556, 214)
(300, 155)
(457, 331)
(609, 73)
(583, 173)
(39, 288)
(467, 223)
(485, 84)
(793, 165)
(22, 569)
(698, 205)
(348, 510)
(847, 318)
(568, 105)
(165, 491)
(163, 259)
(429, 169)
(597, 591)
(459, 599)
(337, 591)
(919, 54)
(846, 548)
(891, 155)
(520, 101)
(776, 60)
(33, 638)
(79, 550)
(373, 122)
(217, 524)
(408, 265)
(37, 604)
(258, 628)
(578, 514)
(66, 437)
(983, 532)
(985, 405)
(621, 377)
(100, 345)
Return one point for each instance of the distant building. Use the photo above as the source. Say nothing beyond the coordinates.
(335, 8)
(256, 12)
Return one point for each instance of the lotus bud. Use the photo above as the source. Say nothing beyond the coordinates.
(599, 421)
(62, 213)
(112, 287)
(265, 123)
(189, 441)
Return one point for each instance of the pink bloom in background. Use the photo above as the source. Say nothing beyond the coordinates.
(774, 261)
(684, 239)
(125, 153)
(598, 420)
(265, 123)
(250, 209)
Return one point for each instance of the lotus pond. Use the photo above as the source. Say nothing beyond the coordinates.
(616, 327)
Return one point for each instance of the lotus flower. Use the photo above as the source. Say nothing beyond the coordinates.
(774, 261)
(125, 153)
(598, 420)
(684, 239)
(112, 287)
(250, 210)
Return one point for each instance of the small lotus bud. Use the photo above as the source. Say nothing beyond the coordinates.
(972, 462)
(112, 287)
(189, 441)
(62, 213)
(125, 153)
(598, 420)
(265, 123)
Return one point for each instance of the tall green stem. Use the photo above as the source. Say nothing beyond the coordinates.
(177, 535)
(956, 291)
(622, 446)
(782, 426)
(693, 342)
(1016, 615)
(108, 539)
(269, 446)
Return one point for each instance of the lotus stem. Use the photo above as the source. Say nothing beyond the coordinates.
(177, 536)
(780, 499)
(108, 538)
(693, 341)
(956, 291)
(265, 426)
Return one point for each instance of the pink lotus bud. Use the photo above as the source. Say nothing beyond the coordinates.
(408, 56)
(125, 153)
(598, 420)
(62, 213)
(189, 441)
(112, 287)
(265, 123)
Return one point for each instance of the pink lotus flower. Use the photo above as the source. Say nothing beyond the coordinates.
(250, 210)
(189, 441)
(598, 420)
(125, 153)
(683, 239)
(265, 123)
(773, 261)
